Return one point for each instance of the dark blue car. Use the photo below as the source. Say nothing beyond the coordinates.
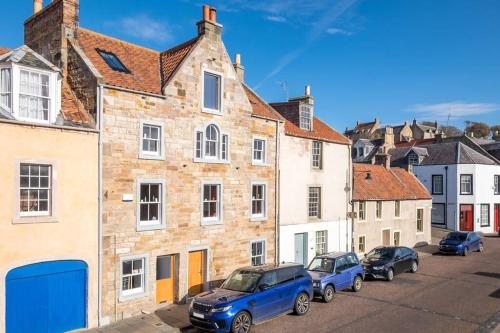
(458, 242)
(251, 295)
(334, 272)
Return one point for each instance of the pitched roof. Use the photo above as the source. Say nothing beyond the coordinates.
(260, 108)
(415, 142)
(4, 50)
(384, 184)
(72, 110)
(171, 59)
(143, 63)
(364, 126)
(321, 131)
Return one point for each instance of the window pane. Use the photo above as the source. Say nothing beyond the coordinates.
(136, 281)
(211, 91)
(127, 267)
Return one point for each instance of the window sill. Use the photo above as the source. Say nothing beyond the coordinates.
(212, 111)
(316, 169)
(261, 164)
(34, 219)
(211, 222)
(315, 219)
(125, 298)
(420, 233)
(209, 161)
(361, 221)
(143, 156)
(150, 227)
(258, 218)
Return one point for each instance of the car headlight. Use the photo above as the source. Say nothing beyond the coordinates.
(224, 309)
(378, 268)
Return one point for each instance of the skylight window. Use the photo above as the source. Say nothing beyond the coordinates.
(113, 61)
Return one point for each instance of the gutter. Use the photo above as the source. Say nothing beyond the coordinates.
(100, 108)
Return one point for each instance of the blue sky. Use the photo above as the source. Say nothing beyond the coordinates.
(392, 59)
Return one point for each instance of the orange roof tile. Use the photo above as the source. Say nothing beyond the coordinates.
(171, 59)
(259, 107)
(72, 110)
(383, 184)
(4, 50)
(321, 131)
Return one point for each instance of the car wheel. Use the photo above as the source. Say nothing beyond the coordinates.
(466, 252)
(414, 266)
(241, 323)
(358, 284)
(481, 247)
(301, 304)
(390, 275)
(328, 294)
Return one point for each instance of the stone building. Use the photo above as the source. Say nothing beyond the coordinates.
(49, 210)
(392, 207)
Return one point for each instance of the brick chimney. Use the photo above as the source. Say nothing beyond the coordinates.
(48, 30)
(291, 109)
(208, 25)
(383, 159)
(238, 67)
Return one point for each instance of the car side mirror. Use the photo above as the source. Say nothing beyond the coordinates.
(263, 287)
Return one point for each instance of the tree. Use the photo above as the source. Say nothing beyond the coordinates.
(450, 131)
(477, 129)
(495, 132)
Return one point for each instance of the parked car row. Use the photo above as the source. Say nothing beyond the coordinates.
(251, 295)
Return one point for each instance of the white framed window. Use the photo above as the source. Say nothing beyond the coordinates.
(437, 184)
(315, 202)
(35, 189)
(420, 220)
(378, 210)
(466, 184)
(133, 276)
(211, 210)
(34, 96)
(151, 140)
(362, 210)
(397, 208)
(317, 154)
(362, 244)
(258, 249)
(485, 215)
(259, 201)
(150, 204)
(413, 159)
(259, 151)
(321, 242)
(213, 91)
(496, 183)
(6, 88)
(211, 146)
(305, 116)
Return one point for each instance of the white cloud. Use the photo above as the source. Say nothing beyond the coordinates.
(336, 31)
(456, 109)
(144, 27)
(274, 18)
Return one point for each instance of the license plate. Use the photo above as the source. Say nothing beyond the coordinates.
(198, 315)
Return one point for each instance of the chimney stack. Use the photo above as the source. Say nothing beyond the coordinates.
(238, 67)
(383, 159)
(37, 6)
(208, 25)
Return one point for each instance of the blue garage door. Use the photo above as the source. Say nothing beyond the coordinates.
(46, 297)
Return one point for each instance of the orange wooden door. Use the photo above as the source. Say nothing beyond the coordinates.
(196, 272)
(165, 279)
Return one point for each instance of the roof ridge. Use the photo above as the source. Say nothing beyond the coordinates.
(266, 104)
(180, 46)
(118, 40)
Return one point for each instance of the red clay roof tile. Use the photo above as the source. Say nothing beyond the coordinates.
(171, 59)
(4, 50)
(259, 107)
(321, 131)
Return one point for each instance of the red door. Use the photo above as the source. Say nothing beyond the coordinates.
(466, 217)
(497, 217)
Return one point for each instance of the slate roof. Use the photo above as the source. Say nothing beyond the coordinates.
(260, 108)
(386, 184)
(442, 154)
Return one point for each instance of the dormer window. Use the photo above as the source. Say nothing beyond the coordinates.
(34, 97)
(6, 88)
(305, 116)
(413, 159)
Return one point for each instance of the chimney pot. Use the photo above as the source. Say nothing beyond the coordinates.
(37, 6)
(237, 59)
(213, 14)
(206, 12)
(238, 67)
(308, 90)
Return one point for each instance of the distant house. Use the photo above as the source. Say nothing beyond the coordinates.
(402, 133)
(392, 207)
(363, 130)
(463, 179)
(421, 131)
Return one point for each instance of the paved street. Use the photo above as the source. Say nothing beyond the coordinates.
(448, 294)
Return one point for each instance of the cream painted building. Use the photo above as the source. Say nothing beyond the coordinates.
(392, 208)
(49, 210)
(314, 175)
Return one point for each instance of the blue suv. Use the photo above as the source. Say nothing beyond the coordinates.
(334, 272)
(251, 295)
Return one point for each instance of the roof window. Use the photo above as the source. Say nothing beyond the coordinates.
(113, 61)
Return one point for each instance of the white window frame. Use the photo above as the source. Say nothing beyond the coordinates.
(220, 111)
(147, 155)
(482, 217)
(364, 243)
(323, 241)
(361, 203)
(435, 188)
(8, 92)
(262, 161)
(378, 216)
(423, 220)
(471, 184)
(496, 184)
(49, 189)
(134, 293)
(320, 155)
(397, 209)
(220, 147)
(303, 117)
(320, 206)
(263, 216)
(411, 159)
(264, 251)
(142, 226)
(220, 203)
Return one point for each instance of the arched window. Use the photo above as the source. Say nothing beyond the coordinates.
(211, 141)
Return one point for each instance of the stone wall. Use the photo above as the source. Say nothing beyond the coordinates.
(82, 81)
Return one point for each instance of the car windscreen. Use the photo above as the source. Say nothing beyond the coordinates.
(456, 236)
(383, 253)
(245, 281)
(321, 265)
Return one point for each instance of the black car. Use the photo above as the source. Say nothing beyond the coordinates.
(386, 262)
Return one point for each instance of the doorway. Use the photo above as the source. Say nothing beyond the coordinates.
(301, 248)
(466, 217)
(166, 279)
(196, 272)
(386, 237)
